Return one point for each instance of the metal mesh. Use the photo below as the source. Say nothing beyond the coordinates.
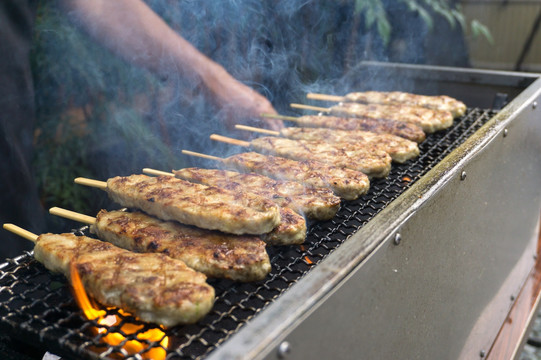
(37, 307)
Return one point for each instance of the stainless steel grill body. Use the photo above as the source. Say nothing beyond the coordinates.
(434, 274)
(423, 266)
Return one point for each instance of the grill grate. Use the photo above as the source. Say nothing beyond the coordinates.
(37, 307)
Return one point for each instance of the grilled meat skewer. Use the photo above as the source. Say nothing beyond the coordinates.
(206, 207)
(291, 229)
(438, 102)
(153, 287)
(429, 120)
(346, 183)
(376, 163)
(379, 126)
(315, 203)
(400, 149)
(368, 160)
(215, 254)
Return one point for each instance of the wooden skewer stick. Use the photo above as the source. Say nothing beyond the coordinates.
(72, 215)
(324, 97)
(310, 107)
(204, 156)
(92, 183)
(259, 130)
(281, 117)
(157, 172)
(21, 232)
(229, 140)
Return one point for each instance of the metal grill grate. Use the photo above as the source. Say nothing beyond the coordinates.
(37, 307)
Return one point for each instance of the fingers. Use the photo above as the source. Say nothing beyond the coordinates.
(240, 104)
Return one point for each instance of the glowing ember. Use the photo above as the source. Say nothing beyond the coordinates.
(306, 258)
(132, 347)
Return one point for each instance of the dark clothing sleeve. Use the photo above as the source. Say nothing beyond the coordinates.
(19, 201)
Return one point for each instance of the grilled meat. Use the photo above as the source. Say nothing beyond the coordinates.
(315, 203)
(442, 102)
(292, 229)
(206, 207)
(379, 126)
(346, 183)
(154, 287)
(399, 148)
(215, 254)
(367, 159)
(429, 120)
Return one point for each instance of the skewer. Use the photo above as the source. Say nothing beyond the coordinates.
(91, 182)
(346, 183)
(21, 232)
(174, 202)
(291, 231)
(258, 130)
(57, 252)
(72, 215)
(229, 140)
(324, 97)
(204, 156)
(281, 117)
(398, 148)
(372, 162)
(157, 172)
(126, 236)
(310, 107)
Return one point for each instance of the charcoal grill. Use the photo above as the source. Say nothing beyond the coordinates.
(426, 265)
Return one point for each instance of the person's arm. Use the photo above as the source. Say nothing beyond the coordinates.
(134, 32)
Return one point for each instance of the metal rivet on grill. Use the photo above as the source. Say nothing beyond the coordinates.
(397, 239)
(283, 349)
(463, 175)
(505, 132)
(534, 105)
(482, 353)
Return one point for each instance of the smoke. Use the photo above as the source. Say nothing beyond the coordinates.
(283, 49)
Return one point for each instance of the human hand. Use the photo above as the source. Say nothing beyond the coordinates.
(240, 104)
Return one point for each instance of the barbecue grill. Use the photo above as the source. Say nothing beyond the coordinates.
(426, 265)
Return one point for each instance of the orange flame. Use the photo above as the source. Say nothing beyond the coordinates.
(114, 338)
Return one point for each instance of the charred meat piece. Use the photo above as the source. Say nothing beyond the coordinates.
(400, 149)
(215, 254)
(379, 126)
(366, 158)
(153, 287)
(429, 120)
(207, 207)
(440, 102)
(346, 183)
(315, 203)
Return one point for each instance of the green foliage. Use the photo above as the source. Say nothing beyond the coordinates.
(375, 13)
(479, 29)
